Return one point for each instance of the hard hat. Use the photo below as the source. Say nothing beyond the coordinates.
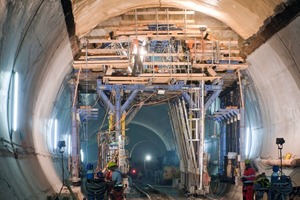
(89, 166)
(275, 168)
(111, 164)
(247, 162)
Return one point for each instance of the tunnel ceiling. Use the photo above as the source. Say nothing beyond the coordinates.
(234, 13)
(255, 20)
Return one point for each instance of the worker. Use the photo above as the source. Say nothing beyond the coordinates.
(248, 181)
(116, 181)
(90, 172)
(275, 174)
(274, 179)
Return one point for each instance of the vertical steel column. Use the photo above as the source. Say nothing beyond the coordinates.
(238, 133)
(222, 146)
(242, 134)
(119, 139)
(118, 110)
(201, 153)
(75, 139)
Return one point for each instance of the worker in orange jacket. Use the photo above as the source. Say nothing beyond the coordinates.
(248, 179)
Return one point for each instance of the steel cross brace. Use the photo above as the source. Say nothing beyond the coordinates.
(142, 87)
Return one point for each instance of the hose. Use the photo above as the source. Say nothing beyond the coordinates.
(282, 187)
(95, 187)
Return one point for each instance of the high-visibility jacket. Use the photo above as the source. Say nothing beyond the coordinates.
(249, 175)
(248, 179)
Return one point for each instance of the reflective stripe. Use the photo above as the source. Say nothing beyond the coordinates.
(248, 181)
(249, 176)
(119, 185)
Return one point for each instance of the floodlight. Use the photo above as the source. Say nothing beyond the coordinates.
(280, 141)
(61, 145)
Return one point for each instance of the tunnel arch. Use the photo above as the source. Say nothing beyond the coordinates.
(48, 61)
(233, 13)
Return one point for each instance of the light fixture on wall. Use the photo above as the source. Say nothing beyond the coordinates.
(61, 146)
(15, 101)
(55, 135)
(81, 155)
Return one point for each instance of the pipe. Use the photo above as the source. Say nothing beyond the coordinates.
(289, 163)
(123, 124)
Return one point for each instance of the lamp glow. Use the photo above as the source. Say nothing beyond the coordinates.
(148, 157)
(247, 141)
(81, 155)
(15, 109)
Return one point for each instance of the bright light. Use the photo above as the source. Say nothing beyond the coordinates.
(161, 92)
(81, 155)
(247, 142)
(142, 53)
(55, 134)
(148, 157)
(15, 111)
(69, 144)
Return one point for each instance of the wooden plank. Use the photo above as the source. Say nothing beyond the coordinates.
(146, 22)
(172, 75)
(165, 37)
(144, 26)
(159, 79)
(225, 42)
(164, 54)
(99, 67)
(104, 62)
(190, 12)
(95, 39)
(154, 32)
(214, 51)
(101, 57)
(221, 67)
(89, 76)
(166, 63)
(211, 28)
(99, 51)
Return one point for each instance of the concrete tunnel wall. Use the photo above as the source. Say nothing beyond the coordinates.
(34, 42)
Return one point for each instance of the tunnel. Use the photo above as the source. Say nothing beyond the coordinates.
(43, 51)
